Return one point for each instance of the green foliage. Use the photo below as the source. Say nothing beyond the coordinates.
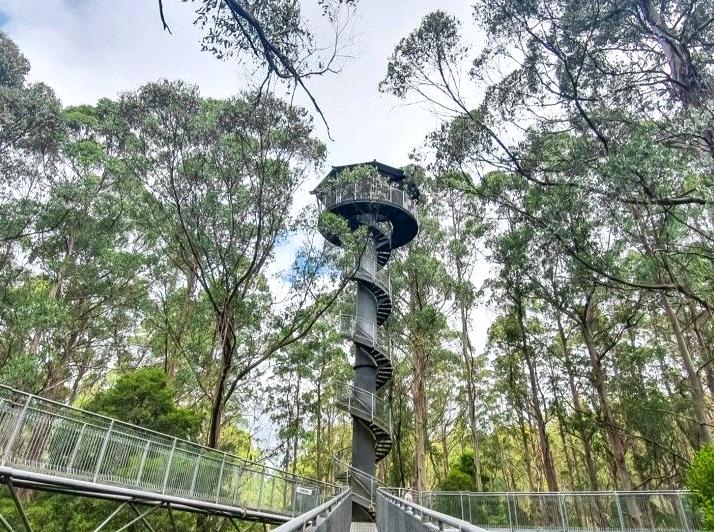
(700, 479)
(13, 65)
(143, 397)
(462, 475)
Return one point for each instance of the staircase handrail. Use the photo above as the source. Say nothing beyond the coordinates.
(374, 407)
(365, 331)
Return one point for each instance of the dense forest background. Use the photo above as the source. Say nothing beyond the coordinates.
(143, 243)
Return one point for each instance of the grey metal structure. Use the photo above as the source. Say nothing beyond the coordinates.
(333, 516)
(395, 514)
(377, 201)
(46, 445)
(669, 511)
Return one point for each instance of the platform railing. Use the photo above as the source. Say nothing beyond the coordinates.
(366, 405)
(365, 332)
(52, 440)
(372, 189)
(664, 511)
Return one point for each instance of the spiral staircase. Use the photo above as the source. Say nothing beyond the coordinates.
(374, 198)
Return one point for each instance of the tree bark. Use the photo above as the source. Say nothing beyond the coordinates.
(695, 383)
(544, 440)
(227, 339)
(623, 480)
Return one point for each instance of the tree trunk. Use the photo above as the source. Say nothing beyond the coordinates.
(227, 338)
(420, 416)
(695, 383)
(623, 481)
(544, 440)
(579, 410)
(470, 390)
(296, 436)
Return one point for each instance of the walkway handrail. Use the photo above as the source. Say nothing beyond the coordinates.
(46, 438)
(420, 513)
(312, 517)
(564, 510)
(368, 482)
(117, 423)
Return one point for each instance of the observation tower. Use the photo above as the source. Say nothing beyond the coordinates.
(376, 198)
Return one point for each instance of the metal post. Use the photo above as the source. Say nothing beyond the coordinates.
(143, 461)
(272, 491)
(563, 515)
(195, 473)
(260, 490)
(462, 504)
(18, 505)
(510, 515)
(168, 467)
(220, 478)
(77, 445)
(619, 510)
(100, 459)
(294, 494)
(5, 524)
(15, 431)
(238, 475)
(684, 517)
(111, 516)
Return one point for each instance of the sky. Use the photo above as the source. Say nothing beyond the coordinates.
(89, 49)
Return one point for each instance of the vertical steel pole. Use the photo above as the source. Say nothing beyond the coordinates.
(619, 510)
(237, 476)
(100, 458)
(220, 478)
(168, 467)
(15, 431)
(684, 516)
(295, 494)
(195, 473)
(563, 516)
(510, 515)
(77, 445)
(272, 491)
(260, 489)
(462, 505)
(143, 461)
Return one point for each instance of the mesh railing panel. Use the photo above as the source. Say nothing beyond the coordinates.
(45, 437)
(665, 511)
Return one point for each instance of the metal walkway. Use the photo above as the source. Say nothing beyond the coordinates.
(45, 445)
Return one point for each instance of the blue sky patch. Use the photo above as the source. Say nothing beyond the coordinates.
(4, 18)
